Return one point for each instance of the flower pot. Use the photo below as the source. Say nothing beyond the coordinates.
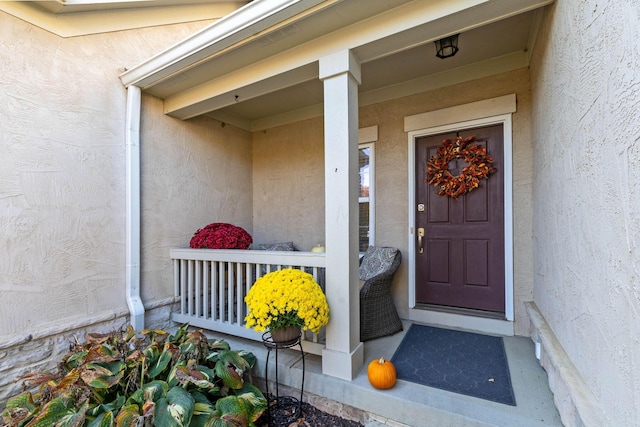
(283, 336)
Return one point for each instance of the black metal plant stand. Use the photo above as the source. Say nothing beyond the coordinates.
(282, 410)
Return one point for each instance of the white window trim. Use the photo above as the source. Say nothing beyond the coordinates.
(481, 113)
(367, 138)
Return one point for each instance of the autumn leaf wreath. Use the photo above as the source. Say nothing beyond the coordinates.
(480, 166)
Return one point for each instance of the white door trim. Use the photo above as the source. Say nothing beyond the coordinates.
(459, 118)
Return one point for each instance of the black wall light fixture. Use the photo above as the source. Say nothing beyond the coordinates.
(447, 47)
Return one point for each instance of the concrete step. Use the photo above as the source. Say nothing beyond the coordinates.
(410, 404)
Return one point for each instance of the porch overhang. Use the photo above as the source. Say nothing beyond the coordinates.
(230, 69)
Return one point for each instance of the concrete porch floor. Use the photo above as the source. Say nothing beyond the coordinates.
(408, 403)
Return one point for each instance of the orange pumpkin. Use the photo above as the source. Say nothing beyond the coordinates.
(381, 373)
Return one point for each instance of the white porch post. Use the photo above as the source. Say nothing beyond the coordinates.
(343, 356)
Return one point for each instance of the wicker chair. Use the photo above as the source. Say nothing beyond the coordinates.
(378, 314)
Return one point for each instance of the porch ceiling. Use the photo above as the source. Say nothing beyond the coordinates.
(258, 67)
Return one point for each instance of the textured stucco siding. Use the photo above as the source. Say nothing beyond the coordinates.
(586, 131)
(289, 178)
(288, 184)
(62, 186)
(193, 173)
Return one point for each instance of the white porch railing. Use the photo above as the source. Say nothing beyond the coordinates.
(212, 284)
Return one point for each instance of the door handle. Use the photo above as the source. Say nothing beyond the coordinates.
(420, 236)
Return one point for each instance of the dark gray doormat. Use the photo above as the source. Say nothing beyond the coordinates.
(457, 361)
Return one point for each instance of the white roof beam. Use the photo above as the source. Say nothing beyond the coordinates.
(239, 86)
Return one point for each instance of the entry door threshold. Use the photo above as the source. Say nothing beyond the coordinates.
(463, 311)
(458, 318)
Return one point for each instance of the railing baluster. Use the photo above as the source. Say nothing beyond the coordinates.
(214, 290)
(230, 286)
(239, 294)
(221, 296)
(198, 288)
(190, 287)
(206, 269)
(248, 274)
(183, 286)
(176, 277)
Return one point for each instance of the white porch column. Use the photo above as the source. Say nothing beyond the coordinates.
(343, 356)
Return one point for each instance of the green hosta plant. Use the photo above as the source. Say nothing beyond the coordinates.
(150, 379)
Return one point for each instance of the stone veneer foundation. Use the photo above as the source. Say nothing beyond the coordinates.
(577, 406)
(42, 350)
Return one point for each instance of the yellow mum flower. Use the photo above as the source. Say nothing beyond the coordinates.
(288, 297)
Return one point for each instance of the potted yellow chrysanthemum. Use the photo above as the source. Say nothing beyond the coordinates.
(286, 299)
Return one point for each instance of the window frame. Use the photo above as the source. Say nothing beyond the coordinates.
(367, 137)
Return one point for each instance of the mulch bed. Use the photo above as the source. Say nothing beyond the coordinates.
(313, 417)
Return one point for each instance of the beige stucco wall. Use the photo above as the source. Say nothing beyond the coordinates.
(289, 177)
(288, 184)
(62, 177)
(586, 128)
(193, 173)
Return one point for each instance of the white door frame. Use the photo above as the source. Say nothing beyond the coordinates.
(460, 118)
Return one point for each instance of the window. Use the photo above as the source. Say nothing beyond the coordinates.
(365, 197)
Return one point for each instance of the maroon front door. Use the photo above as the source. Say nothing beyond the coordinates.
(461, 263)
